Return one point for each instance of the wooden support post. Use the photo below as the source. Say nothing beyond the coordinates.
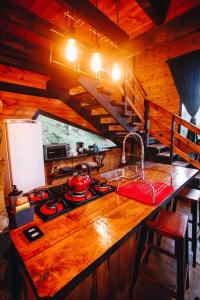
(172, 138)
(146, 121)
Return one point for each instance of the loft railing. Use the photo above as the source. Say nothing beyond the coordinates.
(168, 134)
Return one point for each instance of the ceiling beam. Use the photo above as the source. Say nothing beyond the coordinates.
(157, 10)
(87, 12)
(26, 90)
(12, 57)
(181, 26)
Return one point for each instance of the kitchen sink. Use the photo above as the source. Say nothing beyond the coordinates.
(128, 172)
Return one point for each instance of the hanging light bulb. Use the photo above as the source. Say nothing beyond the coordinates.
(116, 72)
(96, 62)
(71, 51)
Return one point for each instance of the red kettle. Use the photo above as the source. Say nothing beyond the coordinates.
(79, 183)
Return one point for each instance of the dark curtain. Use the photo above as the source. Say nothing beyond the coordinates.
(186, 73)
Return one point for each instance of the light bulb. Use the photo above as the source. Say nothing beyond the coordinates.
(116, 72)
(96, 62)
(71, 52)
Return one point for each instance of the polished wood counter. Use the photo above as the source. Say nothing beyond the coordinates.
(76, 243)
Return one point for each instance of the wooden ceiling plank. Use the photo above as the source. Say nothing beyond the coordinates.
(157, 10)
(96, 19)
(32, 50)
(18, 15)
(11, 57)
(185, 24)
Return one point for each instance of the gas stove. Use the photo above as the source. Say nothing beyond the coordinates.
(61, 199)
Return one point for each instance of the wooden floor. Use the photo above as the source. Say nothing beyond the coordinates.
(164, 269)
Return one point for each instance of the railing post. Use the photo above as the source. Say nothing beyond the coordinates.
(173, 125)
(146, 121)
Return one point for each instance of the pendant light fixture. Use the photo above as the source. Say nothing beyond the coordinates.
(96, 65)
(96, 61)
(71, 51)
(116, 70)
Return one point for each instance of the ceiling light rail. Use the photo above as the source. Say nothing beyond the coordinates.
(72, 52)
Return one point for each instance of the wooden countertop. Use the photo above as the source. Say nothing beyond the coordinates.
(77, 242)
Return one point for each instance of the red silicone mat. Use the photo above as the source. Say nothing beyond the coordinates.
(142, 192)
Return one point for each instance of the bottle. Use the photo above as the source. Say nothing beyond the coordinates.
(14, 195)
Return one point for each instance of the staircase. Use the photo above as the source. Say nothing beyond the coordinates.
(107, 107)
(172, 148)
(116, 110)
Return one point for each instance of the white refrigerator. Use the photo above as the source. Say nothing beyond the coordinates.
(22, 151)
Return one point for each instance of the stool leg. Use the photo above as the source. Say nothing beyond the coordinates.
(150, 243)
(180, 254)
(199, 216)
(174, 204)
(194, 231)
(138, 255)
(187, 259)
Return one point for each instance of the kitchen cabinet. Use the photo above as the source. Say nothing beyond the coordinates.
(82, 251)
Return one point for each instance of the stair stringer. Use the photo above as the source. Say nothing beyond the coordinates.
(91, 85)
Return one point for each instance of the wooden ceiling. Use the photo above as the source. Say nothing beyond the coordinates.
(29, 28)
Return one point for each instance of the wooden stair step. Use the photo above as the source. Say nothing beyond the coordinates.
(117, 103)
(166, 154)
(78, 90)
(121, 132)
(157, 146)
(180, 163)
(116, 128)
(108, 120)
(91, 106)
(152, 140)
(99, 111)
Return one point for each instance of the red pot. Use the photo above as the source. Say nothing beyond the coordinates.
(79, 183)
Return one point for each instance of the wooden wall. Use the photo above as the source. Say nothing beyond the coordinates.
(21, 106)
(154, 73)
(25, 106)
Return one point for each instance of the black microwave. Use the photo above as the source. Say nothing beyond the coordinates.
(56, 151)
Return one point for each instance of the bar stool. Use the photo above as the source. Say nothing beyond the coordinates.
(174, 226)
(192, 195)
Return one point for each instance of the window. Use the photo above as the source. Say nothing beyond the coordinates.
(187, 117)
(55, 130)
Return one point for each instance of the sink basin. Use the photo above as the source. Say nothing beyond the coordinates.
(128, 172)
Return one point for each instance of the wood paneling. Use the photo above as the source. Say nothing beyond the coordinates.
(22, 77)
(2, 204)
(154, 73)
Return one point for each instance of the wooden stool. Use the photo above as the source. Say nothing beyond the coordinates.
(173, 226)
(192, 195)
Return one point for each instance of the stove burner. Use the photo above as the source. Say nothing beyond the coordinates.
(37, 196)
(74, 197)
(61, 199)
(51, 208)
(102, 187)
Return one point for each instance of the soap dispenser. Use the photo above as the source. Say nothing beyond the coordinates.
(14, 195)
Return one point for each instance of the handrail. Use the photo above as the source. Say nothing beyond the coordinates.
(173, 131)
(188, 125)
(178, 119)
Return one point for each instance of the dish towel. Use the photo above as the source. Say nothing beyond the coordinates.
(142, 192)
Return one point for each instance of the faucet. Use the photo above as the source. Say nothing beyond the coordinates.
(123, 159)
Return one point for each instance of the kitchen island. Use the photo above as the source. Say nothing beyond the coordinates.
(88, 253)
